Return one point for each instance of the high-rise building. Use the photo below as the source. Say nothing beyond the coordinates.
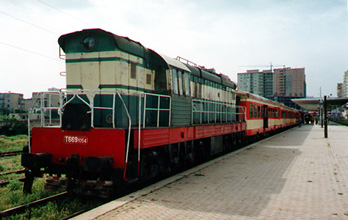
(289, 82)
(345, 84)
(256, 82)
(340, 90)
(268, 83)
(282, 85)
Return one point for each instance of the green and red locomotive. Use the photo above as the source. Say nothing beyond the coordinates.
(129, 114)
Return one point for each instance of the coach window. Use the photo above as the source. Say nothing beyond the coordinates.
(277, 113)
(175, 81)
(187, 83)
(251, 111)
(259, 111)
(255, 111)
(263, 111)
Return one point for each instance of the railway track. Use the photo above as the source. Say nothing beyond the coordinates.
(59, 198)
(5, 182)
(23, 208)
(10, 172)
(10, 153)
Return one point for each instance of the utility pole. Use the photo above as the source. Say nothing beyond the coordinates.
(325, 117)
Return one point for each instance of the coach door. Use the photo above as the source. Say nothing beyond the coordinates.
(265, 117)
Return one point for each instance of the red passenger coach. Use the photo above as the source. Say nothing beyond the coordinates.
(264, 115)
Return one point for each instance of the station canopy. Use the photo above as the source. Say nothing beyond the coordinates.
(312, 104)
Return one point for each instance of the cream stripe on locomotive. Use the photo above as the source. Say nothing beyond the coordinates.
(119, 72)
(91, 74)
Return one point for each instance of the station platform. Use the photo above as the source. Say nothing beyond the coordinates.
(297, 174)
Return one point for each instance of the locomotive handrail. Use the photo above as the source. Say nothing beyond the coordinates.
(90, 95)
(41, 97)
(114, 93)
(215, 112)
(68, 101)
(158, 109)
(61, 54)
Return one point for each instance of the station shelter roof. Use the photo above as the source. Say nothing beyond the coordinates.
(312, 104)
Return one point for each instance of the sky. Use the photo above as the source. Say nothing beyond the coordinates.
(231, 36)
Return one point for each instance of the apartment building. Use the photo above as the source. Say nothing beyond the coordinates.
(290, 82)
(256, 82)
(10, 102)
(340, 90)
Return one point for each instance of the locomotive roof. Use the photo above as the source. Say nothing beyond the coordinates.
(218, 78)
(105, 41)
(174, 62)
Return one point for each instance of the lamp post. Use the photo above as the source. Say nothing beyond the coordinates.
(325, 117)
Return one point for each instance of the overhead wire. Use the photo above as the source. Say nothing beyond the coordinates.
(29, 23)
(41, 28)
(61, 11)
(29, 51)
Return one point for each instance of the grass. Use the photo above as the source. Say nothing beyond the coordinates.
(341, 121)
(12, 195)
(13, 143)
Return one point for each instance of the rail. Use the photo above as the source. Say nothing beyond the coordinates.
(22, 208)
(217, 111)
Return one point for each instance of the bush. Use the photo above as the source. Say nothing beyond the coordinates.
(14, 127)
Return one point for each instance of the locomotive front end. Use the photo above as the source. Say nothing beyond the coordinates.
(89, 146)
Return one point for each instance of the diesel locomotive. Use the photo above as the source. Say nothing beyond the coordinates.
(129, 114)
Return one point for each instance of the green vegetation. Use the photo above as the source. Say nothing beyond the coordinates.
(4, 117)
(11, 195)
(341, 121)
(13, 143)
(14, 127)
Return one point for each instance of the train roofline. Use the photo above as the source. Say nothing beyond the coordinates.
(173, 62)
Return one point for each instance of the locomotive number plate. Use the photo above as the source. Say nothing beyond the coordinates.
(75, 140)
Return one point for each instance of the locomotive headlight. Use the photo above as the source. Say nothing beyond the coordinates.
(89, 43)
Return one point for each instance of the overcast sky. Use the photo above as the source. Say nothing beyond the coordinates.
(228, 35)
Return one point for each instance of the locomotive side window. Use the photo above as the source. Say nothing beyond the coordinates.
(148, 79)
(175, 81)
(180, 82)
(251, 111)
(133, 73)
(187, 84)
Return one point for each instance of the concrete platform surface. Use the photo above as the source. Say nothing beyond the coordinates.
(294, 175)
